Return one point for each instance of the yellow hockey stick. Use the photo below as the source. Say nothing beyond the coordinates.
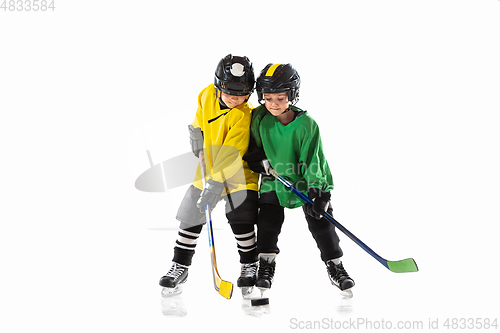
(224, 288)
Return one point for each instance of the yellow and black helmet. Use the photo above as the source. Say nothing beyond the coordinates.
(234, 76)
(277, 78)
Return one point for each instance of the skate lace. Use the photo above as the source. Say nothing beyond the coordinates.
(175, 271)
(266, 270)
(337, 272)
(248, 270)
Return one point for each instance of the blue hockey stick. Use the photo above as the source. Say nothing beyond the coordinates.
(401, 266)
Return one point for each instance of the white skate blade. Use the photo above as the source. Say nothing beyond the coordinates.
(169, 292)
(246, 292)
(262, 291)
(347, 293)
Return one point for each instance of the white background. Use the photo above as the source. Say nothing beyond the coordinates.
(406, 94)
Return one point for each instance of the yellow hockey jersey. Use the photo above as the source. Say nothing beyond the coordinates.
(226, 134)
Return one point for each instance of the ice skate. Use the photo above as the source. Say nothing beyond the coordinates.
(339, 277)
(247, 278)
(265, 276)
(173, 281)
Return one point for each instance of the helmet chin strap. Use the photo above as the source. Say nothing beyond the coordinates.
(287, 109)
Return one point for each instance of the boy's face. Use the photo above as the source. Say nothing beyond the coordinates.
(276, 103)
(233, 101)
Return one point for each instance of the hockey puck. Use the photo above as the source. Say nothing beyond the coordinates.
(260, 301)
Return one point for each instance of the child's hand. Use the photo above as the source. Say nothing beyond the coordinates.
(210, 195)
(321, 200)
(196, 139)
(258, 162)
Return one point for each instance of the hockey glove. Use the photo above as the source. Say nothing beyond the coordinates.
(210, 195)
(196, 139)
(257, 161)
(321, 200)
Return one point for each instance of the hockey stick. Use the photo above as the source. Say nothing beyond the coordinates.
(224, 288)
(401, 266)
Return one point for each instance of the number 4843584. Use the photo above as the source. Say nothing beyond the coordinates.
(27, 5)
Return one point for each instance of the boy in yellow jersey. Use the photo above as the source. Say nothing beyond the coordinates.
(222, 130)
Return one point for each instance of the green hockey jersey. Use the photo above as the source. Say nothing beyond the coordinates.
(295, 151)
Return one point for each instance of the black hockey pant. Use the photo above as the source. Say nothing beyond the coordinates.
(270, 221)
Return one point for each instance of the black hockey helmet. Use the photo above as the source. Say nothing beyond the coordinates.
(277, 78)
(234, 76)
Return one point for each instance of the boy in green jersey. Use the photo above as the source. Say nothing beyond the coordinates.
(288, 139)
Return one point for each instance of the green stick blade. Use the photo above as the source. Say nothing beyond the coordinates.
(403, 266)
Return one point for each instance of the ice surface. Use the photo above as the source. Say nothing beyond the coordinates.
(406, 97)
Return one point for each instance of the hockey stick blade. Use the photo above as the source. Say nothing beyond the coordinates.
(402, 266)
(224, 288)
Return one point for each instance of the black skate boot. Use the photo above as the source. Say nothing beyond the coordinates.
(173, 280)
(248, 275)
(338, 276)
(265, 276)
(247, 278)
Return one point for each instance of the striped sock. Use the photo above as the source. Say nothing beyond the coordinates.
(187, 240)
(246, 242)
(185, 245)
